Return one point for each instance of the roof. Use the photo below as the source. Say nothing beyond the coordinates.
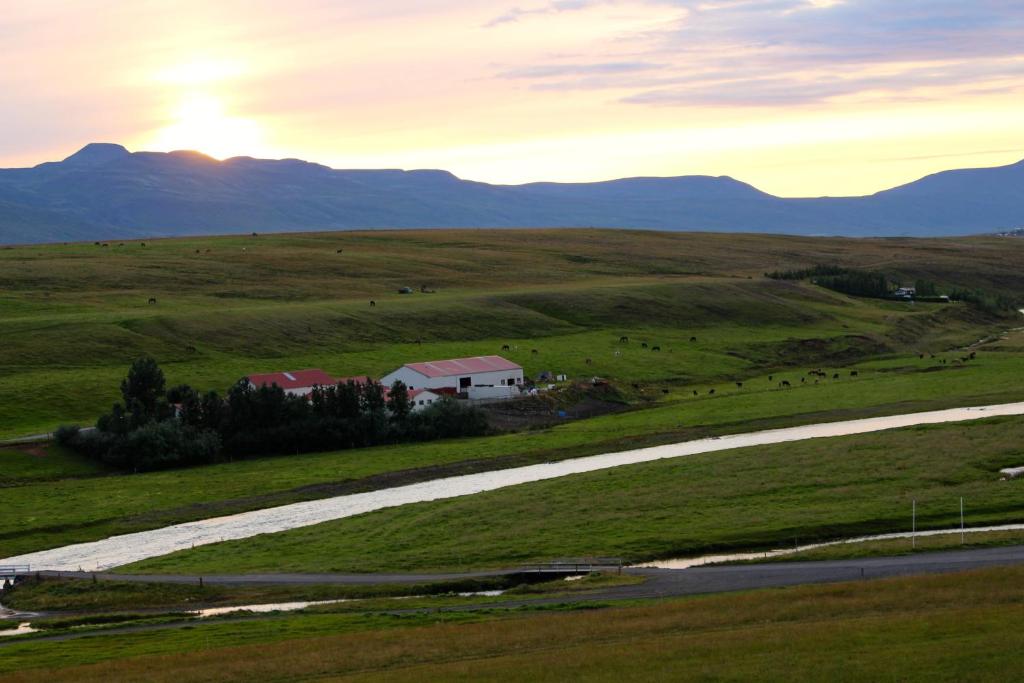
(295, 379)
(356, 379)
(463, 366)
(413, 393)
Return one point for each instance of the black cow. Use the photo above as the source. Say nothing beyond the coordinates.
(623, 340)
(655, 348)
(506, 347)
(372, 303)
(152, 300)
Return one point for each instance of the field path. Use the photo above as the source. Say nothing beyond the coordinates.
(121, 550)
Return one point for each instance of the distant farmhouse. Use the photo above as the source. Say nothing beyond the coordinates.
(482, 377)
(296, 383)
(477, 377)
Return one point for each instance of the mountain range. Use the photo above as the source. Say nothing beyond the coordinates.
(103, 191)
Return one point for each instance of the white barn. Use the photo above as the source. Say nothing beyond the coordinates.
(460, 374)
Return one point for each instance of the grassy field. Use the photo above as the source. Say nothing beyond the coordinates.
(72, 317)
(97, 504)
(950, 627)
(905, 546)
(753, 498)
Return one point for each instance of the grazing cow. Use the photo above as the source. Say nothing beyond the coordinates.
(784, 383)
(739, 385)
(920, 355)
(636, 386)
(771, 378)
(835, 376)
(655, 348)
(121, 244)
(853, 373)
(664, 391)
(973, 355)
(339, 251)
(254, 234)
(534, 351)
(506, 347)
(190, 348)
(143, 244)
(711, 392)
(643, 345)
(152, 300)
(372, 303)
(197, 251)
(96, 243)
(693, 339)
(803, 380)
(623, 340)
(589, 361)
(105, 244)
(694, 392)
(419, 341)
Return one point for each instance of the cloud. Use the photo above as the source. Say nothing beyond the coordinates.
(795, 52)
(516, 13)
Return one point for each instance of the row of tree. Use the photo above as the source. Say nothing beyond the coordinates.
(157, 428)
(876, 285)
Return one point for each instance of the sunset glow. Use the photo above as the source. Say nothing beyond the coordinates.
(799, 97)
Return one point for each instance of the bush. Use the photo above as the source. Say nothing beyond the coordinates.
(161, 429)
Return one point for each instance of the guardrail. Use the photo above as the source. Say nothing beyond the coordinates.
(576, 565)
(11, 571)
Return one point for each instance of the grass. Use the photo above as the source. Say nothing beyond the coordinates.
(905, 546)
(73, 316)
(94, 507)
(34, 464)
(752, 498)
(948, 627)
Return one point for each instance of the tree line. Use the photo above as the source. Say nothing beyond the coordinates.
(154, 427)
(878, 286)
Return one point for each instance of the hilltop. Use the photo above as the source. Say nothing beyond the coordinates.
(103, 191)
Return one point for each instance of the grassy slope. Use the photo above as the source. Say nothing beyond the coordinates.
(950, 627)
(746, 498)
(94, 507)
(73, 316)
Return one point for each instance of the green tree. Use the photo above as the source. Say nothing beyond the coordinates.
(398, 401)
(143, 390)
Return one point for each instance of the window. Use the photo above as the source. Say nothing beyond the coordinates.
(511, 381)
(465, 382)
(421, 401)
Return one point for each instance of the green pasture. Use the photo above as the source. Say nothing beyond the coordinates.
(751, 498)
(93, 507)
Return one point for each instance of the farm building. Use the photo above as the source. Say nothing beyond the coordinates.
(421, 398)
(296, 382)
(478, 375)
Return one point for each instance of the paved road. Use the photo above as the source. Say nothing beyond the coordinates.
(121, 550)
(660, 583)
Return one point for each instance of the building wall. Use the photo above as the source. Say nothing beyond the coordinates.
(415, 380)
(297, 391)
(424, 400)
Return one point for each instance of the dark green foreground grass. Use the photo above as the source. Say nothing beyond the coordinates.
(933, 628)
(748, 498)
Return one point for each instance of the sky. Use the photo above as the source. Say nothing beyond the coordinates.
(798, 97)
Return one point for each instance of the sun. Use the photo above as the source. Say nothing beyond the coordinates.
(200, 122)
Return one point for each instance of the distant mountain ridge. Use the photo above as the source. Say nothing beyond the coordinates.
(103, 191)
